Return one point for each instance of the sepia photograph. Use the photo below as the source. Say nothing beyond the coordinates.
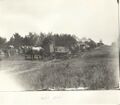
(59, 45)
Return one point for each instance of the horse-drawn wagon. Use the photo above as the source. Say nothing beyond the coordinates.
(33, 53)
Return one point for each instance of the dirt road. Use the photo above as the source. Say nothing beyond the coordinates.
(73, 73)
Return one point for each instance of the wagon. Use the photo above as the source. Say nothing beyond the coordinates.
(33, 53)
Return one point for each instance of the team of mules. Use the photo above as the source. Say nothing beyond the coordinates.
(34, 53)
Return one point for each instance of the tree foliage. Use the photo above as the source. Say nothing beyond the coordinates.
(2, 42)
(44, 40)
(16, 40)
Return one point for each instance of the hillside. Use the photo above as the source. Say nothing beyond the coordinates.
(102, 51)
(96, 69)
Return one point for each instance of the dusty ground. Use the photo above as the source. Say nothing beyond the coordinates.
(88, 72)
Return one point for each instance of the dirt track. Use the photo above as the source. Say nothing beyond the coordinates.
(19, 67)
(34, 75)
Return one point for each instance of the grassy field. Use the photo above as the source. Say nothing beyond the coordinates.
(95, 69)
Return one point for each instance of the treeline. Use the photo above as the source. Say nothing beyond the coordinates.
(2, 42)
(44, 40)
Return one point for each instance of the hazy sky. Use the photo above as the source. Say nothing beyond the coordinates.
(96, 19)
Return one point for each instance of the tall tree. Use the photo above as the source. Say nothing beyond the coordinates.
(30, 39)
(40, 39)
(16, 40)
(2, 42)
